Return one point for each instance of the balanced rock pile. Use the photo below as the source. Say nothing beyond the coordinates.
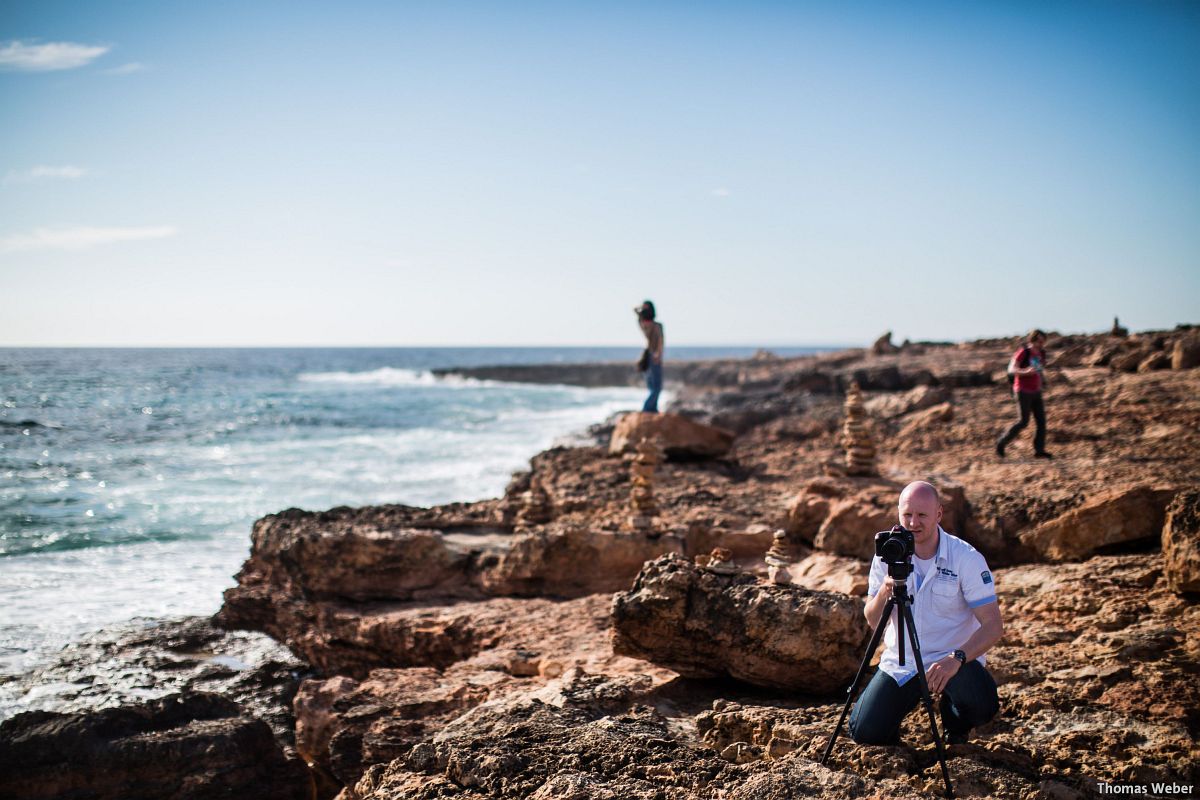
(856, 436)
(778, 559)
(536, 508)
(643, 505)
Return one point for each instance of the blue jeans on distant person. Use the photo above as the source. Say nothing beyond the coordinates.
(654, 384)
(969, 701)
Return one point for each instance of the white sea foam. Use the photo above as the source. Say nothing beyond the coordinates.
(390, 376)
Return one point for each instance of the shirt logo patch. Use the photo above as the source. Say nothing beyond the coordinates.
(987, 576)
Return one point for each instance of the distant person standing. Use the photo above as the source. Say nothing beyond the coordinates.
(1027, 369)
(652, 359)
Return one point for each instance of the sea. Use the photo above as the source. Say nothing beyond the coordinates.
(130, 478)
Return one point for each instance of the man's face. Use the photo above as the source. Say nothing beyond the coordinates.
(920, 513)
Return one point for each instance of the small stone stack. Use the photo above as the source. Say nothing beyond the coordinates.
(778, 559)
(856, 436)
(643, 506)
(536, 508)
(720, 560)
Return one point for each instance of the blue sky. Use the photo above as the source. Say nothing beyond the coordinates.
(524, 173)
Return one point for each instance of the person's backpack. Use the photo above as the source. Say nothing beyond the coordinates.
(643, 363)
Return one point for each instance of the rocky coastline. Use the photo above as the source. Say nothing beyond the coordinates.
(561, 642)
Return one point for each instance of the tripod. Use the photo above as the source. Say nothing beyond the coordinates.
(904, 623)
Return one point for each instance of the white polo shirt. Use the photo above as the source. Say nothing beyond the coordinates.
(958, 582)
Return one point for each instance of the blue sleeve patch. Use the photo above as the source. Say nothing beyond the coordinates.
(982, 602)
(987, 576)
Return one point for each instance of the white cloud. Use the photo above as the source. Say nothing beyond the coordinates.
(50, 56)
(80, 238)
(126, 69)
(43, 172)
(722, 192)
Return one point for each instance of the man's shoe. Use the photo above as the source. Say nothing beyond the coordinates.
(1043, 454)
(956, 738)
(1000, 449)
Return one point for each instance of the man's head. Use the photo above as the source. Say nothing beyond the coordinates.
(921, 511)
(1037, 337)
(645, 311)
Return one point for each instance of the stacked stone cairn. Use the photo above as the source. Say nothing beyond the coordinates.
(536, 508)
(778, 559)
(856, 436)
(720, 560)
(643, 507)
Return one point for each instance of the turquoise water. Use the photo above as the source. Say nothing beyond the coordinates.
(129, 479)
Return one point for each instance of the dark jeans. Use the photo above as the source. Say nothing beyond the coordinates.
(1028, 403)
(654, 384)
(969, 700)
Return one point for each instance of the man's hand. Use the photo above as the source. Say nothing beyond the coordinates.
(941, 672)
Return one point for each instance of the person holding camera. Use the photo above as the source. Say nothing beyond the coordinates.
(1027, 369)
(957, 620)
(651, 362)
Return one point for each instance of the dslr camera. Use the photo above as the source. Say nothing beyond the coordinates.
(895, 548)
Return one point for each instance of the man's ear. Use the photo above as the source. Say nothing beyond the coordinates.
(939, 514)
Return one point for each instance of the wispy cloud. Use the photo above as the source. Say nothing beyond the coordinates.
(42, 172)
(722, 192)
(126, 69)
(29, 57)
(81, 238)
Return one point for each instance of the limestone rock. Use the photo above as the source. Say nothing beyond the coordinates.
(1186, 352)
(573, 562)
(184, 745)
(705, 625)
(1160, 359)
(927, 419)
(1181, 542)
(883, 345)
(826, 572)
(890, 406)
(680, 438)
(1111, 517)
(850, 528)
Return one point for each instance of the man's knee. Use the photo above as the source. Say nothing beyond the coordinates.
(872, 728)
(974, 696)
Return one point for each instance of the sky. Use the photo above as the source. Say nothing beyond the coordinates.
(524, 173)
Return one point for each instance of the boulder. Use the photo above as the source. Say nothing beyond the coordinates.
(575, 562)
(1157, 360)
(1186, 353)
(826, 572)
(890, 406)
(926, 419)
(190, 745)
(704, 625)
(1181, 542)
(850, 528)
(883, 345)
(811, 506)
(1128, 358)
(680, 437)
(1111, 517)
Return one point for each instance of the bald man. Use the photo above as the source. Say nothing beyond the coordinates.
(957, 620)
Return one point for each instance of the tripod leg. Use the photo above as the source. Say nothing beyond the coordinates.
(906, 611)
(875, 637)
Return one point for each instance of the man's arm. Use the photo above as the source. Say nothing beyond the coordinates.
(873, 609)
(990, 631)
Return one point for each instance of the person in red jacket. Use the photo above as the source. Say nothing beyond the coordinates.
(1027, 369)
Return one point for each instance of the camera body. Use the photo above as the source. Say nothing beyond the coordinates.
(895, 548)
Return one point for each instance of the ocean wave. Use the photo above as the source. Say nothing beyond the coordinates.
(390, 376)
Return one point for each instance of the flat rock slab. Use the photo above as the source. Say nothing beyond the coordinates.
(679, 437)
(182, 746)
(1111, 517)
(703, 624)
